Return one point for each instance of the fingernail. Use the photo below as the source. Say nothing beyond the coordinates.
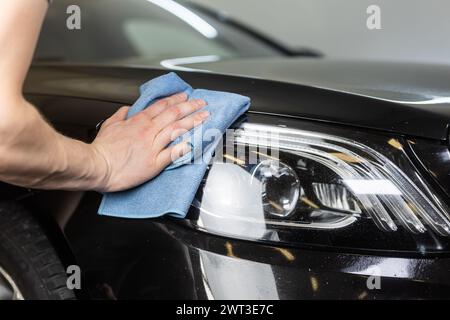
(204, 114)
(200, 102)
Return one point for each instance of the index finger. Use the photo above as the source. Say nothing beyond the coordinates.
(159, 106)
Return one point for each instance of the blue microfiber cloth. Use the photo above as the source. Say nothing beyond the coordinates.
(172, 191)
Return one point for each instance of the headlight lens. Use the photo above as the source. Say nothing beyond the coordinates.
(306, 183)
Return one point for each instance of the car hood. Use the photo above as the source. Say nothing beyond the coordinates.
(409, 99)
(414, 85)
(398, 82)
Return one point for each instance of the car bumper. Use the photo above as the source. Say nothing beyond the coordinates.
(163, 259)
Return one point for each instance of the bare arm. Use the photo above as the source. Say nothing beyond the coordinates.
(32, 154)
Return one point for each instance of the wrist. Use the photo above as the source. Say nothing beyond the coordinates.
(100, 171)
(85, 165)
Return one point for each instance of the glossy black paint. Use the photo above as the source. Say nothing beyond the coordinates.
(157, 259)
(166, 258)
(120, 85)
(435, 158)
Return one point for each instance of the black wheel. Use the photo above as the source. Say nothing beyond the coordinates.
(29, 265)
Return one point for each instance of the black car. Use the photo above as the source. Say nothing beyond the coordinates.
(353, 205)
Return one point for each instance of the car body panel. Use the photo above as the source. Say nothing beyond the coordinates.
(419, 86)
(164, 259)
(120, 85)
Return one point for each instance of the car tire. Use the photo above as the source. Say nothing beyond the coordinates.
(28, 259)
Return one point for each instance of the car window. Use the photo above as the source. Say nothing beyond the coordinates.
(140, 31)
(168, 40)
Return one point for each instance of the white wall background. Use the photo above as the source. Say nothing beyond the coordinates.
(411, 29)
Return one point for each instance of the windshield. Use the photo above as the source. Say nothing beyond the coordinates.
(149, 32)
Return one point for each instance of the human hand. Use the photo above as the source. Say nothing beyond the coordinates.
(129, 152)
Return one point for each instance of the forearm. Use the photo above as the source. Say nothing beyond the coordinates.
(33, 154)
(20, 24)
(126, 152)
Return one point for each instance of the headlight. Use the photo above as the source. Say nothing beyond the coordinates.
(300, 182)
